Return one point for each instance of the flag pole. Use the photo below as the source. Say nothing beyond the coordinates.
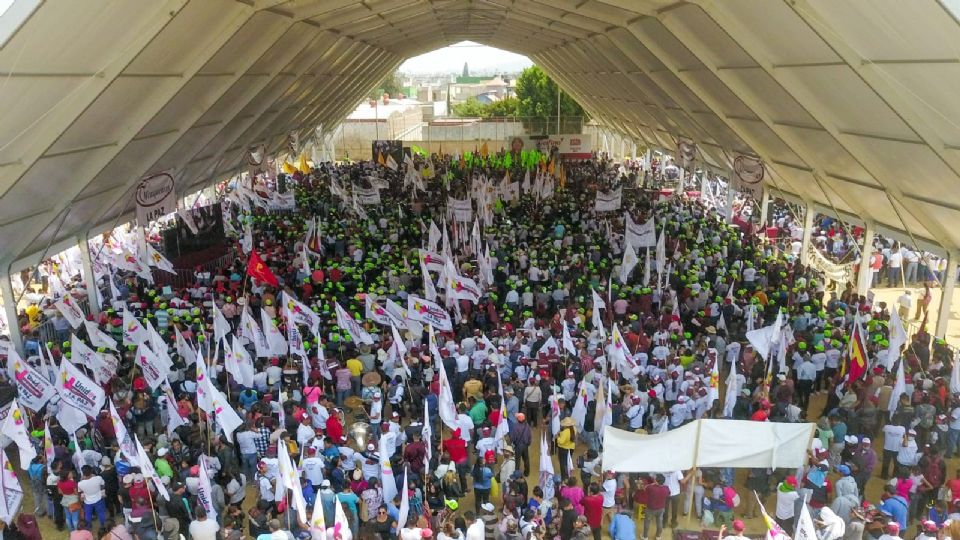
(153, 510)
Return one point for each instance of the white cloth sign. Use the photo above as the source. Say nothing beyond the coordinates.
(71, 311)
(707, 443)
(156, 197)
(608, 202)
(460, 209)
(639, 234)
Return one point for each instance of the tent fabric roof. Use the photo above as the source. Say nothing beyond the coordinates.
(851, 104)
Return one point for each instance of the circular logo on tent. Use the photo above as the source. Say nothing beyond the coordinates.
(154, 189)
(749, 170)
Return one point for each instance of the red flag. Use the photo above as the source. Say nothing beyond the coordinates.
(858, 354)
(258, 269)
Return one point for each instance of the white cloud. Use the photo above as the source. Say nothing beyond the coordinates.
(480, 58)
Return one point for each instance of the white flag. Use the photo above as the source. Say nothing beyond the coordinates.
(733, 390)
(205, 491)
(629, 262)
(301, 313)
(598, 304)
(99, 338)
(348, 323)
(429, 289)
(898, 337)
(71, 311)
(153, 369)
(245, 370)
(79, 391)
(133, 332)
(404, 502)
(805, 529)
(15, 428)
(568, 341)
(11, 490)
(899, 388)
(155, 258)
(448, 409)
(127, 446)
(430, 313)
(272, 337)
(146, 467)
(221, 327)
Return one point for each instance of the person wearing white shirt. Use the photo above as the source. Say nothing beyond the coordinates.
(475, 530)
(305, 432)
(908, 455)
(892, 442)
(465, 423)
(609, 491)
(313, 468)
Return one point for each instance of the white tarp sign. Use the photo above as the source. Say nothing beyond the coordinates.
(156, 197)
(757, 445)
(639, 235)
(608, 202)
(366, 197)
(460, 209)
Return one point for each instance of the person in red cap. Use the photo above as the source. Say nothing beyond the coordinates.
(737, 527)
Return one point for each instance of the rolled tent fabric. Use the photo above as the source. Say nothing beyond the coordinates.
(708, 443)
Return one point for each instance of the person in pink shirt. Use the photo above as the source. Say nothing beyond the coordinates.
(573, 492)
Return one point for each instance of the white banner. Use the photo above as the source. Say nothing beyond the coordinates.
(639, 235)
(77, 390)
(608, 202)
(156, 197)
(367, 196)
(707, 443)
(748, 174)
(427, 312)
(71, 311)
(461, 210)
(33, 389)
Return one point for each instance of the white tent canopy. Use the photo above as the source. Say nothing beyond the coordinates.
(850, 104)
(708, 443)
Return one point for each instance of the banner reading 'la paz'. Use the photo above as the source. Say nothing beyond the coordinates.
(427, 312)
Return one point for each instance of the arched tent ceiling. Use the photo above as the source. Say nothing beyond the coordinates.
(850, 103)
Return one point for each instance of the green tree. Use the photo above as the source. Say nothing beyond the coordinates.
(391, 84)
(471, 108)
(537, 95)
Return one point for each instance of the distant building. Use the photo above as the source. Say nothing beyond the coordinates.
(484, 89)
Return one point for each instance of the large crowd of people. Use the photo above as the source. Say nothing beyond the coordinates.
(372, 424)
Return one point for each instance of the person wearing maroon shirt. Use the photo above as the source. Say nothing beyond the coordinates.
(593, 509)
(657, 497)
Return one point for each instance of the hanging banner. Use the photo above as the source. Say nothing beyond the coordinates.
(461, 210)
(686, 152)
(156, 197)
(608, 202)
(255, 156)
(367, 196)
(569, 146)
(639, 234)
(748, 174)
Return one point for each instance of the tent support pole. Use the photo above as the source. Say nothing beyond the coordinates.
(10, 308)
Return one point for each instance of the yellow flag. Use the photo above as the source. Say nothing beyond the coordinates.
(484, 150)
(563, 176)
(288, 168)
(302, 165)
(550, 168)
(380, 159)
